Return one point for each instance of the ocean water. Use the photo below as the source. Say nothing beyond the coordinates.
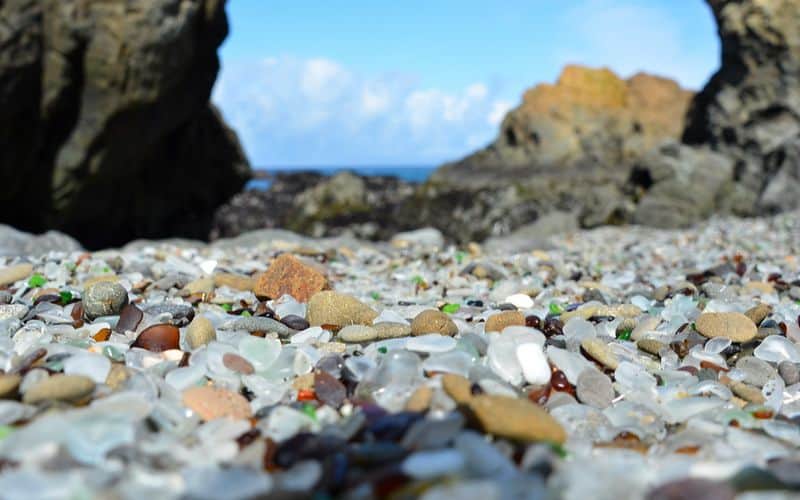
(415, 174)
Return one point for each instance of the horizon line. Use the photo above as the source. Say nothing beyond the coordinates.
(319, 166)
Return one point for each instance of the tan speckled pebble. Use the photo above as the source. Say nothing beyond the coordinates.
(733, 325)
(516, 419)
(433, 321)
(497, 322)
(67, 388)
(600, 352)
(338, 309)
(12, 274)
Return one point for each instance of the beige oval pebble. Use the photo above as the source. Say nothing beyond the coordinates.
(392, 330)
(758, 313)
(200, 332)
(12, 274)
(9, 382)
(593, 309)
(600, 352)
(215, 402)
(651, 346)
(234, 281)
(433, 321)
(357, 334)
(761, 287)
(748, 392)
(338, 309)
(497, 322)
(200, 285)
(732, 325)
(516, 419)
(68, 388)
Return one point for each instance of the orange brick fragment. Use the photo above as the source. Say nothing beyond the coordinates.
(289, 275)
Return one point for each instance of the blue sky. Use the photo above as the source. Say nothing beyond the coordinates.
(413, 82)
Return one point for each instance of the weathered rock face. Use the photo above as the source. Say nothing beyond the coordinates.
(750, 109)
(684, 184)
(107, 132)
(589, 114)
(568, 147)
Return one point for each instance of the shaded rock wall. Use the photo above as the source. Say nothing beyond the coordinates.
(107, 130)
(750, 109)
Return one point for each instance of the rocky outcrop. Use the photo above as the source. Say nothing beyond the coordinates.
(318, 205)
(588, 115)
(750, 109)
(681, 184)
(620, 149)
(568, 147)
(107, 132)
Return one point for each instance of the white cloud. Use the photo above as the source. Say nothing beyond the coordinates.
(289, 111)
(498, 112)
(375, 99)
(323, 79)
(630, 36)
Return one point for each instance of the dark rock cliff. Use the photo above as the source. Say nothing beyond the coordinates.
(106, 130)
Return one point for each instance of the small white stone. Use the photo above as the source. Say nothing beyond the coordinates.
(535, 367)
(520, 300)
(208, 266)
(311, 335)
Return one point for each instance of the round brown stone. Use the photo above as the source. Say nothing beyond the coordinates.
(433, 321)
(497, 322)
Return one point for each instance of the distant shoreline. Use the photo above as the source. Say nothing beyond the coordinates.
(262, 176)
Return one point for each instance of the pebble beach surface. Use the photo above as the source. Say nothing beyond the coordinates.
(612, 363)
